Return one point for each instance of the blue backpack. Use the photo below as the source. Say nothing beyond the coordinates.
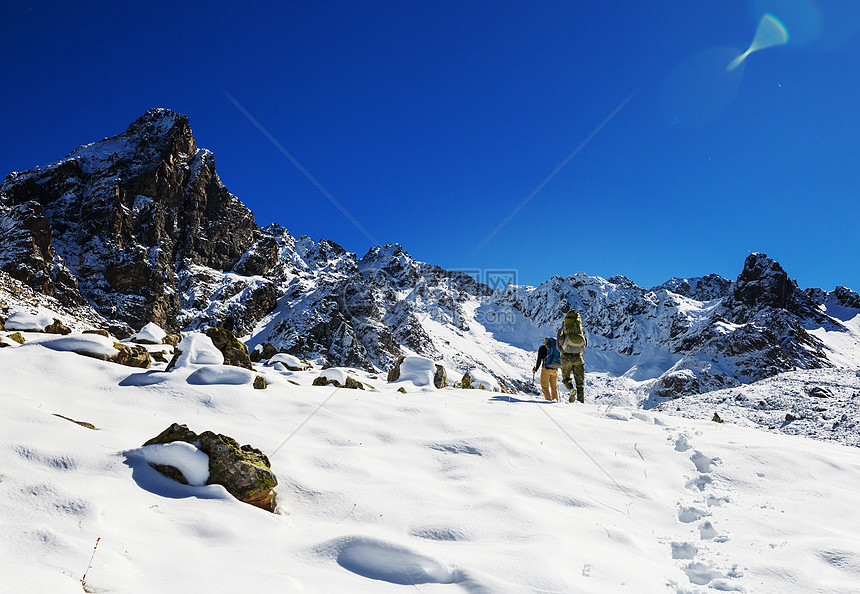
(553, 357)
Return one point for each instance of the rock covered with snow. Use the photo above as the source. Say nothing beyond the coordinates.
(90, 345)
(191, 462)
(196, 349)
(289, 361)
(338, 378)
(101, 347)
(478, 379)
(149, 334)
(210, 375)
(244, 470)
(420, 371)
(24, 321)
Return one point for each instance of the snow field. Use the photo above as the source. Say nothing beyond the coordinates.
(445, 490)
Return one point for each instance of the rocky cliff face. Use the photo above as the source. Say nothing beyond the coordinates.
(115, 221)
(138, 227)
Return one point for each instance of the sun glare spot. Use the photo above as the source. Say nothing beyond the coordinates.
(771, 32)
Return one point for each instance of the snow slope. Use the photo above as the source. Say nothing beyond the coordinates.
(435, 491)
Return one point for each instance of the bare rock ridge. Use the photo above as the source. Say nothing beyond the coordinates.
(139, 228)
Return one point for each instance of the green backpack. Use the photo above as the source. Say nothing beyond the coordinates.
(570, 338)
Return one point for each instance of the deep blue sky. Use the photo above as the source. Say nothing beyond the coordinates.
(432, 121)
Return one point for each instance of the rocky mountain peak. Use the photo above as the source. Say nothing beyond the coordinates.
(155, 119)
(124, 215)
(762, 282)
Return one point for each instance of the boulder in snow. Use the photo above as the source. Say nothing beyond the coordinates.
(262, 351)
(477, 379)
(149, 334)
(27, 322)
(244, 471)
(171, 339)
(235, 352)
(338, 378)
(131, 355)
(195, 349)
(16, 337)
(421, 371)
(57, 327)
(291, 362)
(677, 383)
(99, 347)
(210, 375)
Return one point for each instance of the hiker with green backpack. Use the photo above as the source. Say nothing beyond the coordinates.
(550, 357)
(571, 343)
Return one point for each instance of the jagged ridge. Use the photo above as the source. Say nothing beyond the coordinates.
(140, 226)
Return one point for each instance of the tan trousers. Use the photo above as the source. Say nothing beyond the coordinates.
(549, 381)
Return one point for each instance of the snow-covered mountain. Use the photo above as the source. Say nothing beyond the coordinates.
(138, 227)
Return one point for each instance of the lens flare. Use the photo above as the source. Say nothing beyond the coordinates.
(770, 33)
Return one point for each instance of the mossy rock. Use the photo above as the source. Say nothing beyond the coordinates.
(158, 356)
(294, 382)
(235, 352)
(262, 351)
(2, 323)
(394, 374)
(171, 339)
(17, 337)
(466, 382)
(57, 327)
(131, 355)
(353, 384)
(259, 383)
(99, 331)
(243, 470)
(402, 390)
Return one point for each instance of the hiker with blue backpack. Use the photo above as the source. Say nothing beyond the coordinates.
(571, 343)
(550, 357)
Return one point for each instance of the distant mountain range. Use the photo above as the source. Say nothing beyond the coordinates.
(138, 227)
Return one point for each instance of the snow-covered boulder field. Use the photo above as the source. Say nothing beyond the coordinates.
(437, 490)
